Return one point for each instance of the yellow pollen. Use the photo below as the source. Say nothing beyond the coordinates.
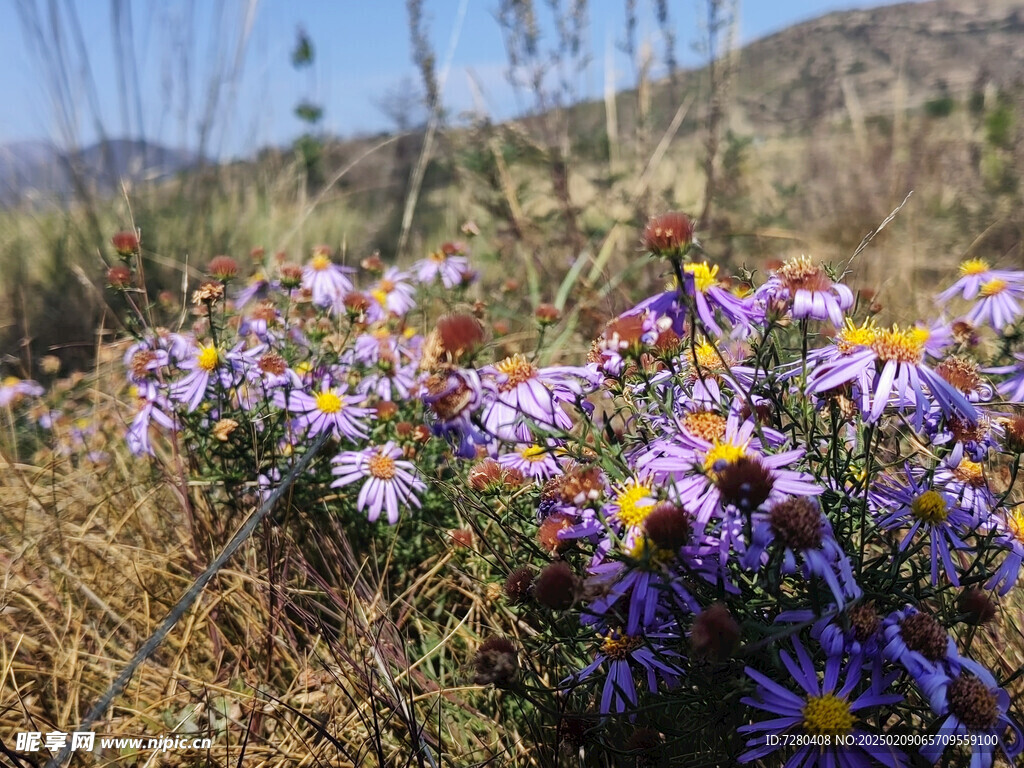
(705, 356)
(518, 370)
(438, 257)
(723, 452)
(706, 425)
(1015, 522)
(379, 295)
(209, 358)
(901, 346)
(10, 381)
(617, 646)
(320, 262)
(973, 267)
(853, 336)
(930, 507)
(704, 277)
(993, 287)
(534, 453)
(827, 715)
(381, 466)
(329, 401)
(643, 548)
(634, 502)
(970, 472)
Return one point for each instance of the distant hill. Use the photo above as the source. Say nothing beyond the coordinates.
(38, 170)
(881, 59)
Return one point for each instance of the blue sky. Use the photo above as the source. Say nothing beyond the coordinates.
(362, 53)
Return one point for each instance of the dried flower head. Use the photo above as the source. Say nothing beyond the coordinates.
(668, 526)
(715, 633)
(496, 662)
(976, 606)
(922, 633)
(119, 276)
(745, 484)
(126, 244)
(223, 268)
(797, 523)
(519, 584)
(491, 478)
(555, 588)
(547, 533)
(208, 292)
(546, 314)
(668, 236)
(223, 428)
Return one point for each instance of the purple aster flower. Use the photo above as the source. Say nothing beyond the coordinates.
(810, 291)
(798, 527)
(856, 630)
(701, 285)
(326, 281)
(923, 509)
(888, 367)
(449, 263)
(1011, 388)
(965, 483)
(13, 389)
(154, 411)
(537, 462)
(974, 275)
(972, 704)
(919, 644)
(621, 654)
(257, 287)
(208, 366)
(1009, 534)
(829, 707)
(389, 481)
(453, 398)
(999, 301)
(331, 408)
(392, 294)
(390, 381)
(525, 392)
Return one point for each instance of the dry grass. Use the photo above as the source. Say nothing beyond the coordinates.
(309, 661)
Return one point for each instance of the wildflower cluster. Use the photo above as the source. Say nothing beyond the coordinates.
(768, 517)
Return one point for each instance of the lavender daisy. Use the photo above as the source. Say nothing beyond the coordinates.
(921, 508)
(810, 291)
(449, 263)
(326, 281)
(824, 708)
(971, 703)
(620, 654)
(331, 408)
(389, 481)
(974, 275)
(392, 294)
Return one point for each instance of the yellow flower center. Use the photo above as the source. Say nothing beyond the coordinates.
(617, 646)
(381, 466)
(973, 267)
(723, 452)
(901, 346)
(853, 336)
(534, 453)
(329, 401)
(518, 370)
(320, 262)
(930, 507)
(705, 357)
(438, 257)
(1015, 522)
(706, 425)
(643, 548)
(993, 287)
(209, 358)
(635, 503)
(827, 715)
(970, 472)
(704, 277)
(10, 381)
